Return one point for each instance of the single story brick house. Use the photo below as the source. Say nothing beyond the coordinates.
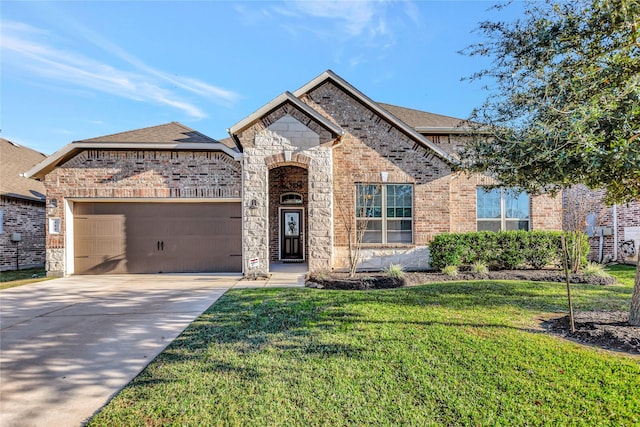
(294, 180)
(22, 209)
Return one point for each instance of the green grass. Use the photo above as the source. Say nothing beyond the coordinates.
(624, 274)
(455, 353)
(11, 279)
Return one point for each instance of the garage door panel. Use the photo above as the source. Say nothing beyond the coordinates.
(157, 237)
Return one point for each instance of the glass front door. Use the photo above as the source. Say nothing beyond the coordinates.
(291, 233)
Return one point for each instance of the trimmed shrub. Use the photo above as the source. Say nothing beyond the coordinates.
(512, 253)
(504, 249)
(540, 249)
(446, 249)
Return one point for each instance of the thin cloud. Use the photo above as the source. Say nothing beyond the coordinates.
(363, 25)
(354, 17)
(23, 48)
(189, 84)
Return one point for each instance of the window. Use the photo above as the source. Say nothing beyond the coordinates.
(1, 222)
(291, 199)
(385, 212)
(502, 209)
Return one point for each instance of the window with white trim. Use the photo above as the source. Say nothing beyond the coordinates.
(384, 212)
(502, 209)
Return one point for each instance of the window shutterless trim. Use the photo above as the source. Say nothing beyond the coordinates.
(503, 219)
(384, 219)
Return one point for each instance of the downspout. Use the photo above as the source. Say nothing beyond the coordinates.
(615, 233)
(600, 244)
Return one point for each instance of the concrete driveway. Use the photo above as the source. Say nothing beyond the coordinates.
(67, 345)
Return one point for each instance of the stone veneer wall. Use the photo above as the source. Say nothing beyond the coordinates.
(136, 175)
(286, 179)
(270, 143)
(27, 218)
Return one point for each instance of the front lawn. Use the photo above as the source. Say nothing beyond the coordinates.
(455, 353)
(624, 274)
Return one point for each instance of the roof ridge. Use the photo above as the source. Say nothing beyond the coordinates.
(15, 144)
(421, 111)
(132, 130)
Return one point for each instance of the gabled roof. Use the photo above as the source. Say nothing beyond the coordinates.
(286, 97)
(170, 132)
(15, 159)
(374, 106)
(170, 136)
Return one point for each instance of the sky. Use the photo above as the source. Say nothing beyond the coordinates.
(73, 70)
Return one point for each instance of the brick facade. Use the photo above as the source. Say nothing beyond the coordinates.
(135, 175)
(318, 143)
(444, 200)
(27, 218)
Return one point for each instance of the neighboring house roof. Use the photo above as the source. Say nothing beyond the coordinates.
(169, 136)
(15, 159)
(374, 106)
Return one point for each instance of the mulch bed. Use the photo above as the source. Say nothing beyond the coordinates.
(367, 281)
(608, 330)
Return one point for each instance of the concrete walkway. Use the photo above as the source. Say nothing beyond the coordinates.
(68, 345)
(280, 275)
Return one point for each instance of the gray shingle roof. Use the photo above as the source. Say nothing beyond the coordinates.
(422, 119)
(14, 160)
(170, 136)
(173, 132)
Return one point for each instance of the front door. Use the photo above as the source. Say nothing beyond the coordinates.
(291, 234)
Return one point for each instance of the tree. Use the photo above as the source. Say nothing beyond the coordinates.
(367, 199)
(564, 106)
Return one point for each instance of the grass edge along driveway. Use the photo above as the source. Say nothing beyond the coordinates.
(464, 353)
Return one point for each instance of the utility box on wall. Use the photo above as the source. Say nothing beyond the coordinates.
(16, 237)
(633, 234)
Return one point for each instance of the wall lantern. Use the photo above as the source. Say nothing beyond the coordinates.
(51, 206)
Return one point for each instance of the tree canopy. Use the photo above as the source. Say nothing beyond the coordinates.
(564, 98)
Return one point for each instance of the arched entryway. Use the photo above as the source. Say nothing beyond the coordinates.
(288, 213)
